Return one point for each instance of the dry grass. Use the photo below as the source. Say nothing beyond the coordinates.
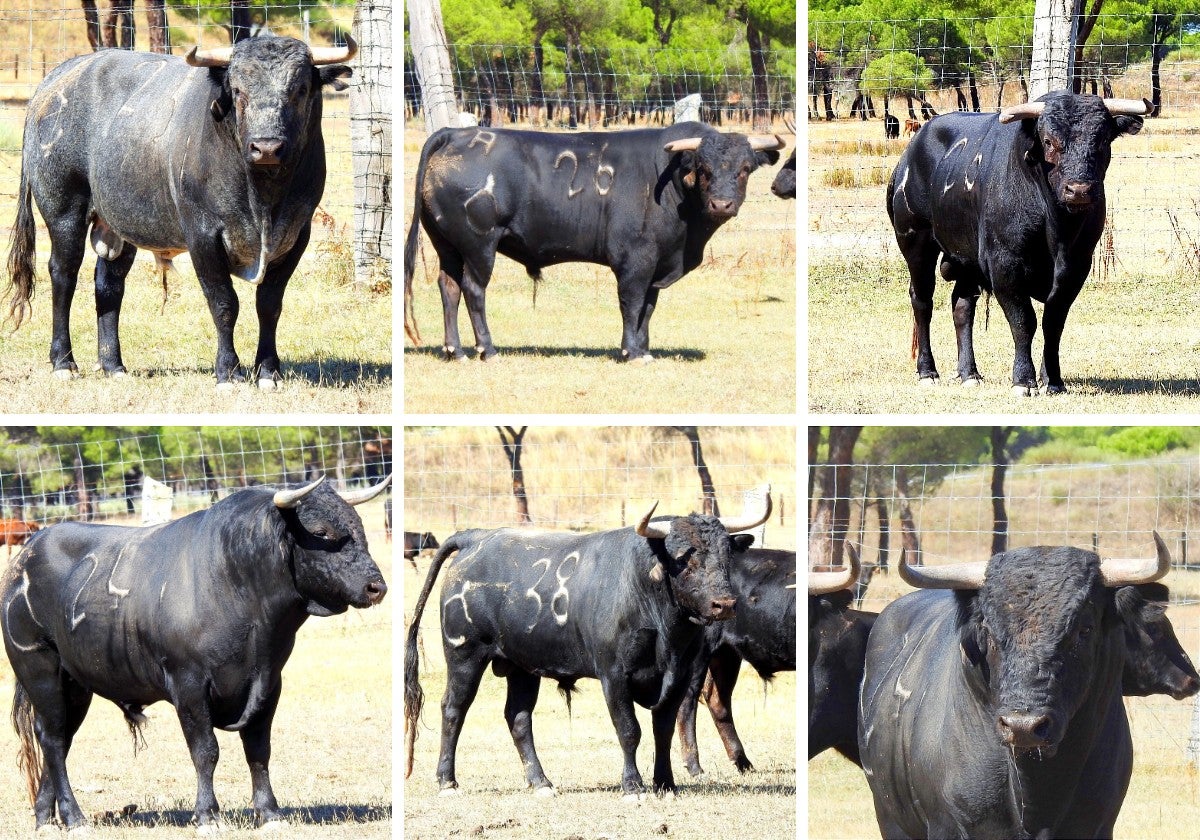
(331, 748)
(724, 336)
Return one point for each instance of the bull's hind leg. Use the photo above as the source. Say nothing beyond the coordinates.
(66, 220)
(464, 669)
(474, 288)
(920, 251)
(518, 712)
(967, 282)
(110, 291)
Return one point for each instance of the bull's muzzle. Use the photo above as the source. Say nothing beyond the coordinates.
(266, 151)
(1025, 731)
(722, 609)
(722, 208)
(1077, 194)
(374, 591)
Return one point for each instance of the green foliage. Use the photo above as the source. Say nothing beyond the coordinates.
(896, 73)
(487, 22)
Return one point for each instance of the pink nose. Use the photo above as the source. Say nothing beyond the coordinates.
(722, 608)
(1077, 193)
(376, 589)
(266, 152)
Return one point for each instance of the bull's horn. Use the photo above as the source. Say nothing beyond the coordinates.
(357, 497)
(291, 498)
(334, 55)
(765, 144)
(1131, 107)
(956, 576)
(751, 517)
(218, 57)
(1024, 111)
(1129, 572)
(822, 583)
(688, 145)
(791, 125)
(652, 532)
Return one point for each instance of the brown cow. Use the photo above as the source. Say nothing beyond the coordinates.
(15, 532)
(911, 127)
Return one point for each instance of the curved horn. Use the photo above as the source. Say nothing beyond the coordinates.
(1131, 107)
(688, 145)
(334, 55)
(956, 576)
(218, 57)
(750, 518)
(291, 498)
(1024, 111)
(357, 497)
(652, 532)
(763, 144)
(822, 583)
(1129, 572)
(791, 125)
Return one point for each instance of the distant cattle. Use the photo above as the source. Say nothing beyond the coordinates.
(219, 154)
(911, 127)
(991, 700)
(891, 127)
(762, 632)
(643, 202)
(201, 612)
(417, 541)
(1013, 205)
(784, 185)
(626, 607)
(15, 532)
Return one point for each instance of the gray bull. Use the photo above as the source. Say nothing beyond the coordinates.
(220, 155)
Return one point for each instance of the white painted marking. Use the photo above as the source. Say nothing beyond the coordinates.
(487, 138)
(949, 186)
(603, 169)
(77, 618)
(569, 155)
(961, 142)
(11, 638)
(461, 596)
(902, 692)
(561, 618)
(113, 590)
(532, 592)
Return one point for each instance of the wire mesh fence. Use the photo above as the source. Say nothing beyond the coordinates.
(948, 512)
(860, 70)
(38, 35)
(54, 474)
(593, 87)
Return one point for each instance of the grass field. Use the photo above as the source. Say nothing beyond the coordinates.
(1130, 344)
(723, 336)
(331, 748)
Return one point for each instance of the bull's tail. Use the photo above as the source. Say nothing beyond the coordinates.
(414, 697)
(21, 244)
(29, 755)
(435, 142)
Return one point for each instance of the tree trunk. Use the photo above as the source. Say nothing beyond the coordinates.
(538, 111)
(1161, 29)
(427, 37)
(1051, 47)
(706, 483)
(1000, 461)
(909, 538)
(92, 19)
(1086, 24)
(760, 108)
(974, 89)
(156, 26)
(371, 141)
(835, 487)
(83, 498)
(814, 441)
(511, 438)
(239, 21)
(885, 534)
(118, 28)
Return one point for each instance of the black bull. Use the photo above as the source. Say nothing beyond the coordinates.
(643, 202)
(626, 607)
(1014, 203)
(201, 612)
(762, 632)
(220, 155)
(995, 711)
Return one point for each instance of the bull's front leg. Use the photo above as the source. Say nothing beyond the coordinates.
(686, 719)
(638, 299)
(256, 744)
(196, 722)
(1054, 320)
(662, 720)
(629, 732)
(212, 270)
(1022, 321)
(268, 301)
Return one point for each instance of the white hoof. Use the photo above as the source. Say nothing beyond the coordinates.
(118, 374)
(273, 827)
(452, 791)
(267, 385)
(211, 829)
(643, 360)
(1021, 391)
(547, 792)
(46, 828)
(634, 798)
(971, 383)
(64, 373)
(928, 381)
(80, 831)
(225, 387)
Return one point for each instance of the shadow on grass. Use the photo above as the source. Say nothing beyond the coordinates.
(338, 373)
(244, 817)
(1164, 387)
(672, 353)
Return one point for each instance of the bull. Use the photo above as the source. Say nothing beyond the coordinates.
(762, 632)
(417, 541)
(991, 700)
(201, 612)
(626, 607)
(643, 202)
(219, 154)
(1014, 204)
(16, 532)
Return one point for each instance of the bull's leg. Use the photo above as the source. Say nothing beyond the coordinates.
(518, 712)
(256, 744)
(662, 721)
(637, 300)
(451, 295)
(268, 303)
(718, 694)
(963, 299)
(197, 727)
(921, 253)
(68, 233)
(1022, 321)
(629, 732)
(474, 288)
(213, 273)
(1054, 319)
(110, 290)
(686, 720)
(463, 672)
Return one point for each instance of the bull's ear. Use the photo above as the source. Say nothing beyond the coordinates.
(333, 74)
(767, 158)
(972, 640)
(687, 168)
(1128, 125)
(223, 103)
(1142, 603)
(742, 541)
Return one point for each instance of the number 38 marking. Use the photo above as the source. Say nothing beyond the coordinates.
(561, 597)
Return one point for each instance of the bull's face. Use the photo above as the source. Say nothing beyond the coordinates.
(784, 185)
(718, 168)
(331, 567)
(1072, 142)
(1155, 662)
(696, 556)
(271, 88)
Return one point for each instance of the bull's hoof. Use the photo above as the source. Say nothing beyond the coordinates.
(546, 792)
(666, 794)
(82, 830)
(927, 381)
(225, 387)
(65, 374)
(1021, 391)
(450, 791)
(267, 385)
(273, 826)
(1054, 389)
(46, 828)
(488, 355)
(453, 354)
(634, 797)
(642, 360)
(209, 829)
(972, 382)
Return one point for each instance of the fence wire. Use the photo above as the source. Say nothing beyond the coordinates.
(38, 35)
(58, 474)
(858, 70)
(1110, 508)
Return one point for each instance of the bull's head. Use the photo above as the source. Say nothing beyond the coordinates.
(694, 552)
(1070, 137)
(272, 86)
(717, 166)
(1041, 628)
(1156, 662)
(330, 563)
